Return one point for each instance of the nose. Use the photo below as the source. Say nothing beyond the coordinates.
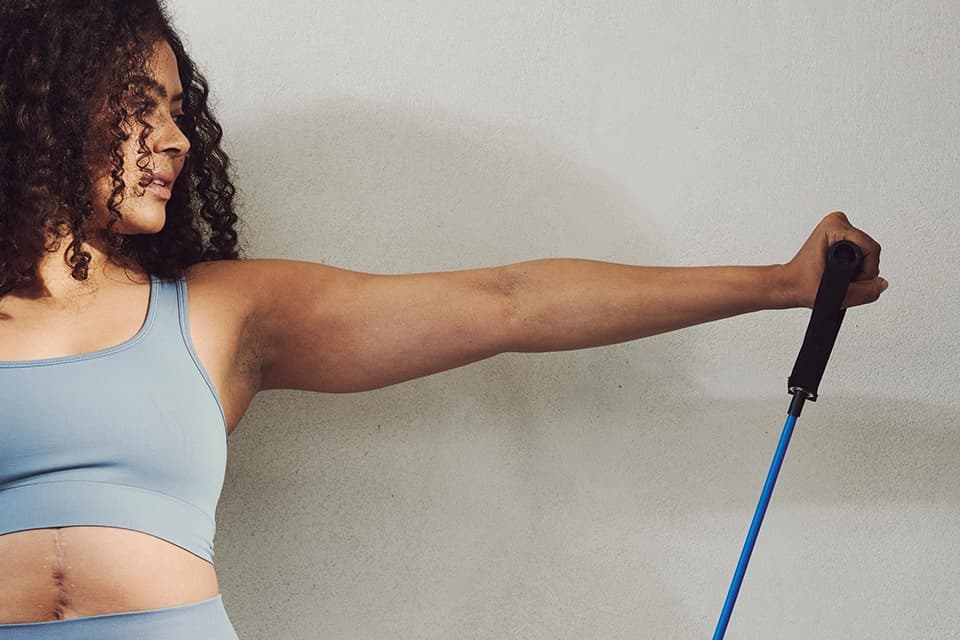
(171, 140)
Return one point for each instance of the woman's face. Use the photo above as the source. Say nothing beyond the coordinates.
(144, 205)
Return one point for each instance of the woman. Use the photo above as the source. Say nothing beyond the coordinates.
(118, 389)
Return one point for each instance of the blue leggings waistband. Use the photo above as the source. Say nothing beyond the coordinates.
(204, 620)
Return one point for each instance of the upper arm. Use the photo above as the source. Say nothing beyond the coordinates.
(323, 328)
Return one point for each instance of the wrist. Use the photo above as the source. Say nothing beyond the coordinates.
(779, 288)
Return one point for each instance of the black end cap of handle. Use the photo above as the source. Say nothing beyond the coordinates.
(844, 262)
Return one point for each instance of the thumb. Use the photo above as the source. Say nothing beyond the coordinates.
(864, 292)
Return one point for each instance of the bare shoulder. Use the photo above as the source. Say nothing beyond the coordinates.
(251, 308)
(251, 289)
(225, 280)
(224, 302)
(217, 271)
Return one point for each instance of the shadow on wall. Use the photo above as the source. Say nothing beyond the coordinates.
(525, 495)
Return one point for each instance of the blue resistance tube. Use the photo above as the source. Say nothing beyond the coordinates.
(755, 527)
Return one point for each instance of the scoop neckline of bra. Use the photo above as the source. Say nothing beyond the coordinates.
(126, 344)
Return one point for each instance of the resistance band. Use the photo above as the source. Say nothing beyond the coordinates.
(844, 260)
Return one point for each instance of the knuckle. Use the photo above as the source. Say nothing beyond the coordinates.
(839, 215)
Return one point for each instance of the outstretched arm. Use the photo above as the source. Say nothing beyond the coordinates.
(327, 329)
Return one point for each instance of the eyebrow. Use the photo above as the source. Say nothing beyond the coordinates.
(150, 82)
(163, 94)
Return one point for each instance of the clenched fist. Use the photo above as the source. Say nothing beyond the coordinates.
(800, 278)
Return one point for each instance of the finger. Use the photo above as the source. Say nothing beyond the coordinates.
(870, 249)
(842, 229)
(864, 292)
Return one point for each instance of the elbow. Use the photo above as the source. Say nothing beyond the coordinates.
(508, 288)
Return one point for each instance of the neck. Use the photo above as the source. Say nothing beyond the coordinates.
(56, 286)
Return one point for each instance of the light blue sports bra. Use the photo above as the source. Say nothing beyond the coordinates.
(133, 436)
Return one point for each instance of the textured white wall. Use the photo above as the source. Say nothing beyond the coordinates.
(600, 493)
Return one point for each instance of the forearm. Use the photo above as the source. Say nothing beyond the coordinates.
(560, 304)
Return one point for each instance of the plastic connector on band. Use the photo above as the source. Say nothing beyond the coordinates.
(796, 405)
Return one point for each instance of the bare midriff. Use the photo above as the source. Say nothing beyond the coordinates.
(74, 572)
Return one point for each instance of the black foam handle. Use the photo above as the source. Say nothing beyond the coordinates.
(844, 262)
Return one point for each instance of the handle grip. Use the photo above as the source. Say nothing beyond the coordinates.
(844, 262)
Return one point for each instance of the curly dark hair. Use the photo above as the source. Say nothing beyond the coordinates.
(57, 58)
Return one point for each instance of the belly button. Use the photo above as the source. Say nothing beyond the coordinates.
(60, 608)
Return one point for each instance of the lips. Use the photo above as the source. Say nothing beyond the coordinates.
(167, 177)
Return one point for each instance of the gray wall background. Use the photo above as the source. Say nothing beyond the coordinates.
(601, 493)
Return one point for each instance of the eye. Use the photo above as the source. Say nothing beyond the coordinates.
(179, 118)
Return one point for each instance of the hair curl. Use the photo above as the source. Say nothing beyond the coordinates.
(60, 61)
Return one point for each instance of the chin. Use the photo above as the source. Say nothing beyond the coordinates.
(142, 218)
(141, 223)
(146, 229)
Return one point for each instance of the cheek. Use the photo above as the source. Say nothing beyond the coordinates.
(103, 187)
(100, 157)
(132, 174)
